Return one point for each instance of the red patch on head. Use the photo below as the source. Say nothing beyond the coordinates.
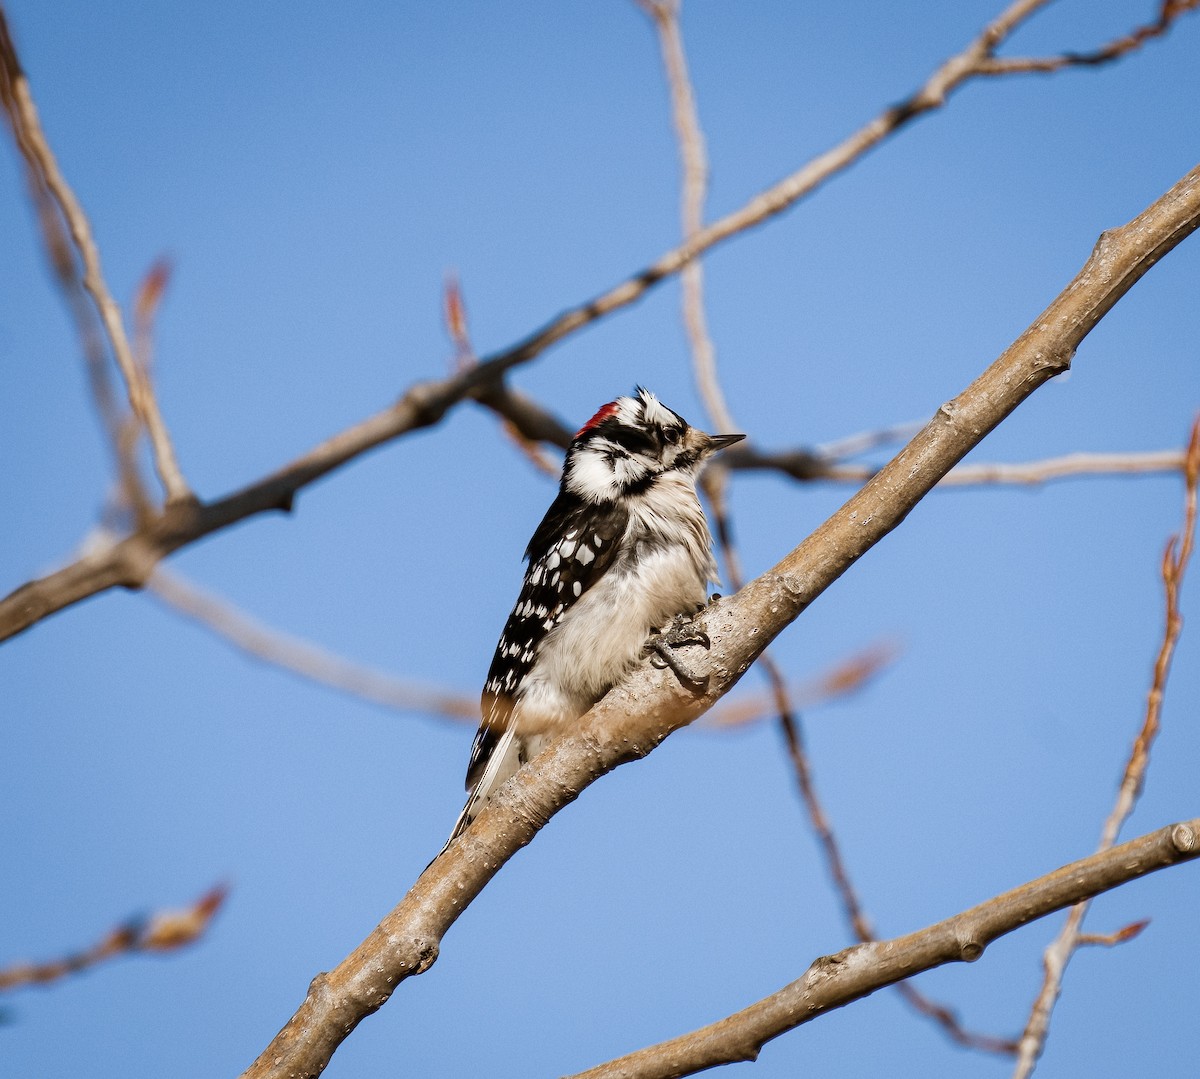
(611, 409)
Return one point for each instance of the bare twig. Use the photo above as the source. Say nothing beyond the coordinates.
(836, 980)
(40, 158)
(1071, 464)
(808, 466)
(162, 931)
(302, 658)
(1058, 954)
(647, 707)
(1110, 940)
(128, 563)
(1168, 12)
(454, 311)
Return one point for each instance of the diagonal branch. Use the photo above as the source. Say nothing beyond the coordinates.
(834, 981)
(637, 715)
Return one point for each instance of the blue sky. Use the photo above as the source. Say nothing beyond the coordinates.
(314, 173)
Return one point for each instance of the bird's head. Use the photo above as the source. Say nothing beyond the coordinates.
(632, 442)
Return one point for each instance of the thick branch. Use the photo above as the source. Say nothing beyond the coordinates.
(637, 715)
(836, 980)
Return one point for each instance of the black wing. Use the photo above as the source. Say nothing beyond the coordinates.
(570, 551)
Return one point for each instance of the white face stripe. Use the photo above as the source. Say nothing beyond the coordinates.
(656, 413)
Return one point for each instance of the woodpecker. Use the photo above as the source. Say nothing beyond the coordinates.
(617, 568)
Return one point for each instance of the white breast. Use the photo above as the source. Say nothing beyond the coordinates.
(663, 569)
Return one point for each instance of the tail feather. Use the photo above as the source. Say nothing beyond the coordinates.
(505, 759)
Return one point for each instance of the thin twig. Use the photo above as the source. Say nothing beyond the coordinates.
(1169, 11)
(1111, 940)
(31, 140)
(807, 466)
(162, 931)
(300, 657)
(1058, 954)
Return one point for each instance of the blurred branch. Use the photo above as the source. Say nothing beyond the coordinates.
(162, 931)
(129, 562)
(842, 679)
(639, 713)
(853, 445)
(1058, 954)
(1110, 940)
(302, 658)
(836, 980)
(694, 167)
(808, 466)
(1169, 11)
(40, 160)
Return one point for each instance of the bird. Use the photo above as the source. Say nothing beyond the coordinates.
(617, 569)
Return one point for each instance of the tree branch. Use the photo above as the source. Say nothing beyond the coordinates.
(836, 980)
(162, 931)
(637, 715)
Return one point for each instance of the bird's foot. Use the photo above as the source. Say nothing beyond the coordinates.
(681, 631)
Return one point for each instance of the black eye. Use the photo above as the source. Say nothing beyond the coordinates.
(671, 435)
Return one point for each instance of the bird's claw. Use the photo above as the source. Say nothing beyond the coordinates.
(681, 631)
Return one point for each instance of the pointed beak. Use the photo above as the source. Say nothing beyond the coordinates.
(719, 442)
